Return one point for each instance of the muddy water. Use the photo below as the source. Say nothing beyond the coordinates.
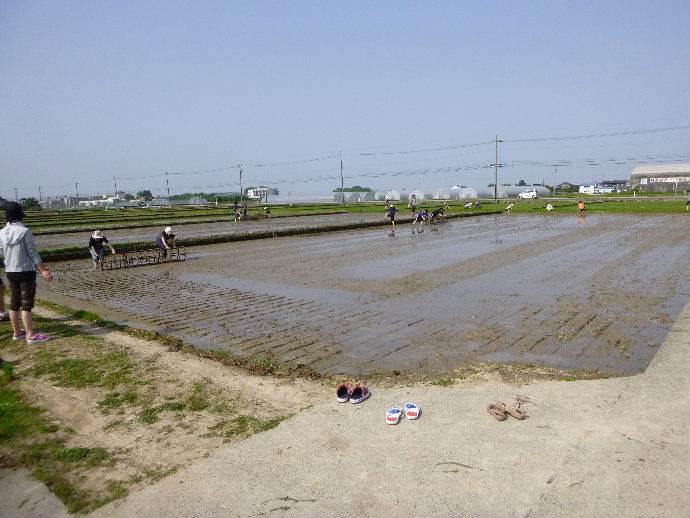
(117, 237)
(598, 294)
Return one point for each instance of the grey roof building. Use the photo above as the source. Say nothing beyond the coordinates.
(661, 177)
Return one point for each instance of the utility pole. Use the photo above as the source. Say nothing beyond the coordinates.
(496, 141)
(342, 180)
(40, 196)
(115, 185)
(167, 184)
(76, 188)
(16, 196)
(241, 192)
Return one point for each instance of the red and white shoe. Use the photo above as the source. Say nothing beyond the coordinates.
(393, 415)
(412, 411)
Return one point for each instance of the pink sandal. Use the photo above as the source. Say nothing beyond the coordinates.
(37, 338)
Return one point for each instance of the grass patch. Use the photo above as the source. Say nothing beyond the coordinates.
(244, 426)
(443, 382)
(114, 400)
(30, 440)
(109, 370)
(198, 399)
(17, 419)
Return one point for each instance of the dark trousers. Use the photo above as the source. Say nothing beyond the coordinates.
(23, 286)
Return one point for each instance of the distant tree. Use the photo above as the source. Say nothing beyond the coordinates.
(128, 196)
(522, 183)
(145, 194)
(31, 204)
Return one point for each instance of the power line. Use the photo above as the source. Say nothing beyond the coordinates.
(409, 151)
(600, 135)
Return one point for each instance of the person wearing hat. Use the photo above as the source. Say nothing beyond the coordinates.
(18, 248)
(97, 244)
(165, 241)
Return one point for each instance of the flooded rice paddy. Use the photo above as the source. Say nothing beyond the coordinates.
(596, 294)
(193, 230)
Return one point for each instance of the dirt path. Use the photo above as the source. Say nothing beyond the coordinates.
(151, 411)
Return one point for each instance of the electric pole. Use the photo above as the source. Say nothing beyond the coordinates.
(496, 140)
(167, 184)
(76, 188)
(241, 192)
(115, 185)
(342, 180)
(40, 196)
(16, 196)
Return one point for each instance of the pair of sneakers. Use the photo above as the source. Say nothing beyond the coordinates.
(35, 339)
(354, 395)
(394, 413)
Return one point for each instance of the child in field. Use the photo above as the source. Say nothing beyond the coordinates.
(581, 206)
(421, 217)
(509, 208)
(267, 212)
(97, 248)
(549, 207)
(436, 214)
(390, 214)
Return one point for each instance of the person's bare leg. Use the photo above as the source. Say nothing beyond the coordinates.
(28, 324)
(2, 298)
(14, 318)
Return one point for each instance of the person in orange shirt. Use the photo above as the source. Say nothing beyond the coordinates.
(580, 206)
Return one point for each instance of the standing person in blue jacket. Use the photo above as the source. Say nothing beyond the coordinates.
(21, 262)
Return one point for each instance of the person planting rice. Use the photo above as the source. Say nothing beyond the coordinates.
(436, 214)
(421, 217)
(267, 212)
(97, 244)
(18, 248)
(390, 214)
(165, 241)
(581, 206)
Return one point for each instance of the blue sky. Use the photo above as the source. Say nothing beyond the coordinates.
(92, 90)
